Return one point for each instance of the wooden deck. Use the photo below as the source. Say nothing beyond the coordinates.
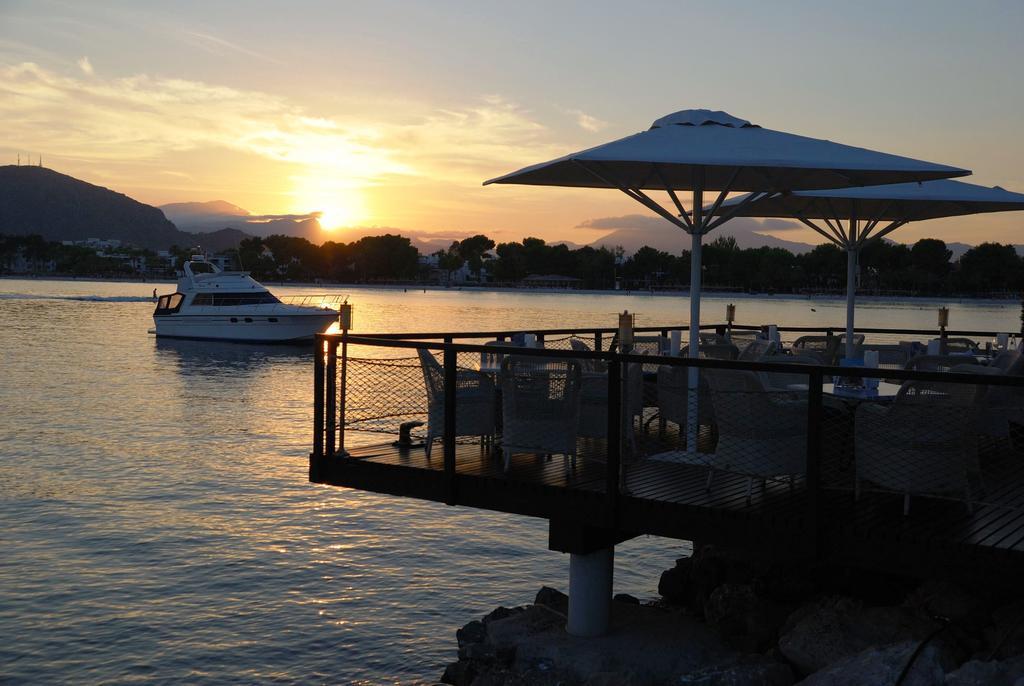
(672, 500)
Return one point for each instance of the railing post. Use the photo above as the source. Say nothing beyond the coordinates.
(318, 397)
(343, 394)
(450, 386)
(598, 342)
(615, 421)
(331, 393)
(814, 419)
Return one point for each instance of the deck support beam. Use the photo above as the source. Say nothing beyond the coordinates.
(590, 592)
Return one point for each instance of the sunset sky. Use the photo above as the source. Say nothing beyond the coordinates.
(391, 114)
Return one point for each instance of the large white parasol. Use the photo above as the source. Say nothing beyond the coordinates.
(851, 217)
(704, 150)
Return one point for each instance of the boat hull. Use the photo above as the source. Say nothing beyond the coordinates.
(248, 328)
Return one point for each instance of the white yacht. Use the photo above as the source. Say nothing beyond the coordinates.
(213, 304)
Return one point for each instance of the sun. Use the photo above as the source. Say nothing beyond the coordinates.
(337, 204)
(334, 217)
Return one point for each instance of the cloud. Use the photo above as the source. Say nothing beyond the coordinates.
(587, 122)
(645, 222)
(86, 66)
(146, 118)
(216, 45)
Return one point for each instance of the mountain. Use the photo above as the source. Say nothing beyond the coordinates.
(215, 215)
(634, 231)
(183, 211)
(217, 241)
(37, 200)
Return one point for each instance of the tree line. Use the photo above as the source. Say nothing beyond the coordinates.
(924, 268)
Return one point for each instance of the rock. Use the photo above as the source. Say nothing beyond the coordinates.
(742, 618)
(944, 599)
(1006, 635)
(882, 667)
(474, 632)
(674, 584)
(752, 671)
(500, 613)
(831, 630)
(649, 644)
(979, 673)
(552, 598)
(626, 598)
(480, 652)
(459, 674)
(610, 679)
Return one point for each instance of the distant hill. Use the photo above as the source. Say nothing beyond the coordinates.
(184, 211)
(37, 200)
(205, 217)
(58, 207)
(633, 232)
(218, 241)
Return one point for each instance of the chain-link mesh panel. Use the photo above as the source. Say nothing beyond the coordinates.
(919, 444)
(739, 429)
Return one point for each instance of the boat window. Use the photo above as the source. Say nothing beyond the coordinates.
(233, 299)
(169, 304)
(201, 267)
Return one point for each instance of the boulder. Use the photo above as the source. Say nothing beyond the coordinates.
(979, 673)
(750, 671)
(882, 667)
(552, 598)
(474, 632)
(1006, 635)
(713, 566)
(823, 633)
(626, 598)
(742, 617)
(674, 584)
(936, 598)
(500, 613)
(459, 673)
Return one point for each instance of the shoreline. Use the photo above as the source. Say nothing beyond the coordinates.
(682, 293)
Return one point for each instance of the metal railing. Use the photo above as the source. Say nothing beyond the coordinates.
(376, 385)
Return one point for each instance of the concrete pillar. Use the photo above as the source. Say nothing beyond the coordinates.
(590, 592)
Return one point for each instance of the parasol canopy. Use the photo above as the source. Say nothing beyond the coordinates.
(851, 217)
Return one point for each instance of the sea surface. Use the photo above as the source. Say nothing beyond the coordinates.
(157, 526)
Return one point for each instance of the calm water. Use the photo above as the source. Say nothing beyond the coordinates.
(157, 525)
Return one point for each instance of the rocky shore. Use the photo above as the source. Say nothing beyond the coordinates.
(724, 620)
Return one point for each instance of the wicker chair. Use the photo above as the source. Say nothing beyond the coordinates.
(757, 350)
(540, 407)
(492, 360)
(715, 351)
(824, 348)
(475, 401)
(761, 434)
(593, 422)
(960, 345)
(783, 381)
(919, 444)
(673, 397)
(998, 405)
(936, 363)
(587, 365)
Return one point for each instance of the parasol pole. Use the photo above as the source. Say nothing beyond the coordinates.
(693, 378)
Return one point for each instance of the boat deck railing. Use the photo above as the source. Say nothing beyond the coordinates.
(827, 458)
